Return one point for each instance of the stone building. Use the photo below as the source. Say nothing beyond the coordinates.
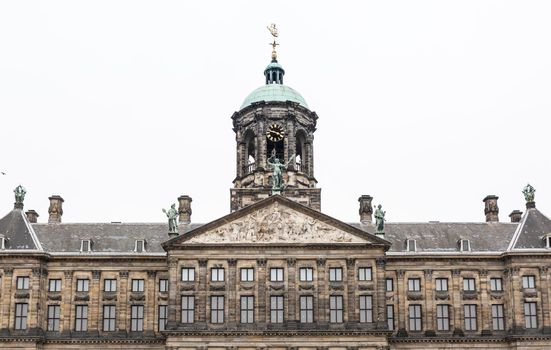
(275, 273)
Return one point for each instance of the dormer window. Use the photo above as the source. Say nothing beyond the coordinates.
(411, 245)
(464, 245)
(85, 245)
(547, 240)
(139, 246)
(2, 242)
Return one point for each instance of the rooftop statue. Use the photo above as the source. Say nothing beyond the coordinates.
(529, 193)
(172, 215)
(19, 195)
(380, 219)
(277, 173)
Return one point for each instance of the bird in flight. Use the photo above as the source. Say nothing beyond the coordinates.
(3, 173)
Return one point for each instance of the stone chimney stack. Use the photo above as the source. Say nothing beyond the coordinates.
(32, 216)
(530, 205)
(366, 209)
(56, 209)
(516, 216)
(184, 209)
(491, 209)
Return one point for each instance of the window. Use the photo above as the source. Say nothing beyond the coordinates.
(530, 315)
(22, 283)
(335, 274)
(276, 309)
(109, 312)
(464, 245)
(81, 318)
(498, 318)
(548, 242)
(443, 317)
(21, 312)
(306, 309)
(364, 274)
(411, 245)
(441, 284)
(276, 274)
(110, 285)
(390, 317)
(217, 274)
(188, 309)
(389, 284)
(54, 312)
(247, 309)
(528, 282)
(469, 315)
(163, 285)
(306, 274)
(83, 285)
(496, 284)
(54, 285)
(140, 246)
(85, 245)
(217, 309)
(366, 308)
(414, 284)
(247, 274)
(469, 285)
(163, 317)
(188, 274)
(137, 285)
(2, 242)
(335, 309)
(136, 318)
(415, 323)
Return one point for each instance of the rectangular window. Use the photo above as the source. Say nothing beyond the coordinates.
(83, 285)
(54, 285)
(528, 282)
(188, 309)
(188, 274)
(217, 309)
(366, 308)
(335, 309)
(21, 312)
(443, 317)
(414, 284)
(276, 309)
(306, 274)
(496, 284)
(390, 317)
(136, 318)
(530, 315)
(81, 318)
(441, 284)
(163, 317)
(498, 317)
(365, 274)
(247, 309)
(163, 285)
(217, 274)
(247, 274)
(469, 285)
(22, 282)
(389, 285)
(335, 274)
(109, 314)
(415, 321)
(85, 245)
(306, 309)
(469, 315)
(54, 312)
(140, 246)
(137, 286)
(276, 274)
(110, 285)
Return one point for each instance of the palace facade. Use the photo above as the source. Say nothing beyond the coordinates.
(275, 273)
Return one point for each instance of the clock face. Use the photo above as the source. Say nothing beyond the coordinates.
(275, 133)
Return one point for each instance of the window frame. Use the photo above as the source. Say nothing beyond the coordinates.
(306, 274)
(138, 285)
(109, 318)
(277, 274)
(53, 320)
(217, 274)
(335, 274)
(365, 273)
(390, 317)
(136, 246)
(86, 243)
(56, 283)
(137, 313)
(306, 308)
(81, 318)
(365, 308)
(246, 274)
(163, 285)
(246, 308)
(187, 309)
(469, 284)
(217, 311)
(22, 282)
(112, 283)
(162, 317)
(83, 285)
(528, 282)
(530, 317)
(470, 313)
(441, 284)
(415, 317)
(494, 283)
(411, 247)
(443, 317)
(21, 316)
(414, 284)
(336, 309)
(498, 321)
(387, 280)
(277, 309)
(190, 274)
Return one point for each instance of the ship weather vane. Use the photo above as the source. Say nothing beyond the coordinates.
(273, 30)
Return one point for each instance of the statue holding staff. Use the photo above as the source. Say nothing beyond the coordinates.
(172, 215)
(380, 219)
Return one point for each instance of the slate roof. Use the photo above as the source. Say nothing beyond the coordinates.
(17, 231)
(533, 228)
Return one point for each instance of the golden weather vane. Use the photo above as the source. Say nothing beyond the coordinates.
(273, 30)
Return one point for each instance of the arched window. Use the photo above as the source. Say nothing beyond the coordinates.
(250, 151)
(300, 156)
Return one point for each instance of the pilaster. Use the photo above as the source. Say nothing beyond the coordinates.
(262, 293)
(352, 309)
(322, 291)
(67, 306)
(233, 306)
(122, 308)
(93, 311)
(201, 299)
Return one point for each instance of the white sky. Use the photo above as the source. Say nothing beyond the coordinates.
(121, 106)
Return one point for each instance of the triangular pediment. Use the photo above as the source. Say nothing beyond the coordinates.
(276, 220)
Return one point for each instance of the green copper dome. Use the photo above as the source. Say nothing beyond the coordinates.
(274, 92)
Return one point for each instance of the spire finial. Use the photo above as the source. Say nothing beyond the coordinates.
(273, 30)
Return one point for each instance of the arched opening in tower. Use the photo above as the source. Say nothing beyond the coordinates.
(250, 152)
(300, 155)
(276, 149)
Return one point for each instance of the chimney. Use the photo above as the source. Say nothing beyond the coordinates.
(530, 205)
(491, 209)
(515, 216)
(366, 209)
(32, 216)
(184, 209)
(56, 209)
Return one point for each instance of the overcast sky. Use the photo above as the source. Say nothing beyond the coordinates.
(122, 106)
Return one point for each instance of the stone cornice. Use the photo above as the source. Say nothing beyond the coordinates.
(278, 333)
